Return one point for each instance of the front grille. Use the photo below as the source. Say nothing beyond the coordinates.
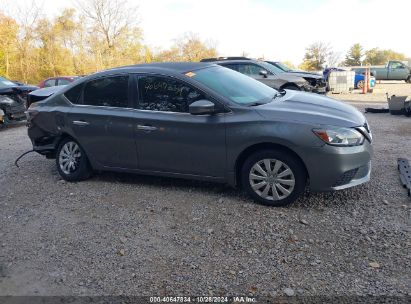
(346, 177)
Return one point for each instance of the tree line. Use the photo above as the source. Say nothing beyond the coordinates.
(95, 35)
(318, 55)
(101, 34)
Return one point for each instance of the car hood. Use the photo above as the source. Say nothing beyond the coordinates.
(313, 109)
(290, 77)
(17, 89)
(306, 74)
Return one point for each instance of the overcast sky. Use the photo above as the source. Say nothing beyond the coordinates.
(275, 29)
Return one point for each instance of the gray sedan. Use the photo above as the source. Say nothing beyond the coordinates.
(203, 121)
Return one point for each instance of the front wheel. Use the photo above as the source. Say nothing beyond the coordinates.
(72, 162)
(273, 178)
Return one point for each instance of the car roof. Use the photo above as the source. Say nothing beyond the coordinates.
(237, 61)
(179, 67)
(61, 77)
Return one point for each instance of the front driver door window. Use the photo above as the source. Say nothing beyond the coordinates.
(168, 138)
(398, 71)
(166, 94)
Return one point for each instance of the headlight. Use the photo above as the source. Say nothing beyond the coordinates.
(340, 136)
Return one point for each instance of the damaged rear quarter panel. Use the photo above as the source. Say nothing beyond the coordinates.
(47, 124)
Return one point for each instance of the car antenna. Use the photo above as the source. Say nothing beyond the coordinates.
(25, 153)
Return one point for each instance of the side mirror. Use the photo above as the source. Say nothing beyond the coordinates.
(264, 73)
(201, 107)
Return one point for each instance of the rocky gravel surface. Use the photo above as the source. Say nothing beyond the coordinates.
(399, 88)
(119, 234)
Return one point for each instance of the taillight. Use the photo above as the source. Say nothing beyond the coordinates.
(32, 112)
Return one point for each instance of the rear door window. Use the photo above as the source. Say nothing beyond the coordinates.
(73, 95)
(108, 92)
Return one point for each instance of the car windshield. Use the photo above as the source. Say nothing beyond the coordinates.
(4, 83)
(271, 68)
(284, 67)
(235, 86)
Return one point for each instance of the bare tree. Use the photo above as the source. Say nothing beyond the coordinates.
(110, 18)
(333, 58)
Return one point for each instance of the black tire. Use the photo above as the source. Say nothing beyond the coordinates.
(291, 162)
(408, 79)
(81, 169)
(291, 87)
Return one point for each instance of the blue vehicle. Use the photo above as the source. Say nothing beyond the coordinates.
(359, 79)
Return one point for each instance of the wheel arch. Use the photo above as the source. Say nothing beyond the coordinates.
(65, 135)
(263, 146)
(289, 84)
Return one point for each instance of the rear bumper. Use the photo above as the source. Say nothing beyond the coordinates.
(44, 144)
(336, 168)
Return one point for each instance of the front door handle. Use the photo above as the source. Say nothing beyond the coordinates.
(146, 128)
(80, 123)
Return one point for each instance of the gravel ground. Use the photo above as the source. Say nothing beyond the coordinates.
(127, 234)
(399, 88)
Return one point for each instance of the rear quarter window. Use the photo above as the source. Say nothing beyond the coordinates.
(73, 95)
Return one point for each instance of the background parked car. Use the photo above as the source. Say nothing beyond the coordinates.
(57, 81)
(393, 70)
(316, 80)
(13, 100)
(264, 72)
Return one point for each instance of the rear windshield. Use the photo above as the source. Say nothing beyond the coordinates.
(234, 86)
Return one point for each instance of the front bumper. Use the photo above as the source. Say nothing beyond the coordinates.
(335, 168)
(320, 90)
(318, 86)
(15, 111)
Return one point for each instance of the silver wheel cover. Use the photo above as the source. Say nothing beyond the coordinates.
(271, 179)
(69, 157)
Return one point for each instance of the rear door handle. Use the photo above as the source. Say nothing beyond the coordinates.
(80, 123)
(146, 128)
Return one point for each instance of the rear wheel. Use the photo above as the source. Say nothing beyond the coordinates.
(273, 178)
(408, 79)
(72, 162)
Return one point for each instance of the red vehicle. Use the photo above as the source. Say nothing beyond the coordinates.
(57, 81)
